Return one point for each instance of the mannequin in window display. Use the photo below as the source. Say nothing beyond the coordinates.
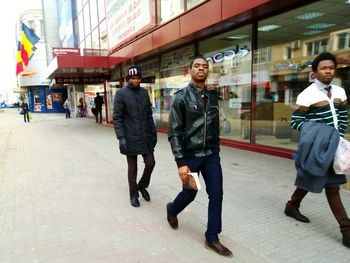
(323, 104)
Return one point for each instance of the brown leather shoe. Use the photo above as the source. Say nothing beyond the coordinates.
(218, 248)
(346, 239)
(295, 213)
(172, 220)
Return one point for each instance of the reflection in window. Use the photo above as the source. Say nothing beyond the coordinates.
(229, 57)
(316, 47)
(192, 3)
(344, 40)
(170, 8)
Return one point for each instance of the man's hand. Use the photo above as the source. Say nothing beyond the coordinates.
(183, 173)
(122, 145)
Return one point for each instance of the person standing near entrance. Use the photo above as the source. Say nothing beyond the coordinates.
(326, 104)
(67, 106)
(25, 109)
(136, 132)
(194, 138)
(98, 106)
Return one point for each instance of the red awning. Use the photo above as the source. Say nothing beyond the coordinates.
(81, 69)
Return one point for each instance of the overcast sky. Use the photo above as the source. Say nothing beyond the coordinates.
(8, 16)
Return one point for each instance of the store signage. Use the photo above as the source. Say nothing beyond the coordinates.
(65, 52)
(230, 54)
(291, 66)
(127, 19)
(79, 80)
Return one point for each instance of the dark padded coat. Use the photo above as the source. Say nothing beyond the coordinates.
(133, 121)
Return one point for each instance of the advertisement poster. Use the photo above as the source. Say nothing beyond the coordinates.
(57, 96)
(49, 101)
(126, 19)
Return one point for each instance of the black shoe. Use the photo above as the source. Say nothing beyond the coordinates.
(218, 248)
(172, 220)
(295, 213)
(135, 202)
(346, 239)
(145, 194)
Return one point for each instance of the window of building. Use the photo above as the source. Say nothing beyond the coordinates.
(170, 9)
(95, 39)
(101, 11)
(287, 45)
(229, 56)
(174, 75)
(344, 40)
(81, 27)
(93, 13)
(316, 47)
(87, 25)
(103, 35)
(193, 3)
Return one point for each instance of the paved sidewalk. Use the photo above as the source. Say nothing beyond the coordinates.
(64, 198)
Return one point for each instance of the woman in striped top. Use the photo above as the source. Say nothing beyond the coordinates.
(327, 103)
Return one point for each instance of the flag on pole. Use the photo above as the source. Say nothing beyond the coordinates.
(26, 48)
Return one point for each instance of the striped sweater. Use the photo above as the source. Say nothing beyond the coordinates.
(313, 104)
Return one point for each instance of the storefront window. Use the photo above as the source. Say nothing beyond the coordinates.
(174, 75)
(229, 57)
(287, 45)
(150, 81)
(169, 9)
(192, 3)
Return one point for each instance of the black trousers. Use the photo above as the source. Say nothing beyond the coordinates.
(26, 116)
(98, 112)
(134, 187)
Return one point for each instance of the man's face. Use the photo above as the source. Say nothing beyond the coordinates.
(135, 81)
(199, 70)
(325, 71)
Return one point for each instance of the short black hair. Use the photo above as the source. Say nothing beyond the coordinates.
(321, 57)
(198, 57)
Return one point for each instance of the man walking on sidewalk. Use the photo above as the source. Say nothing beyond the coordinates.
(136, 132)
(98, 106)
(194, 137)
(321, 102)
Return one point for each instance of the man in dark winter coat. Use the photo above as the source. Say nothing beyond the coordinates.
(98, 106)
(194, 137)
(136, 132)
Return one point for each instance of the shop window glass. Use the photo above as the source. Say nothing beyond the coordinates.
(79, 5)
(150, 81)
(81, 27)
(170, 9)
(287, 45)
(229, 56)
(101, 10)
(93, 13)
(344, 41)
(103, 35)
(95, 40)
(174, 75)
(87, 26)
(193, 3)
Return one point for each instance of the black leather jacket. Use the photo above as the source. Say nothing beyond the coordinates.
(193, 131)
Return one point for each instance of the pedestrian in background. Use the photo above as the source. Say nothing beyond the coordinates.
(326, 104)
(25, 109)
(98, 106)
(194, 137)
(136, 132)
(67, 106)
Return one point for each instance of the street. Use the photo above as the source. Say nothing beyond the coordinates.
(64, 198)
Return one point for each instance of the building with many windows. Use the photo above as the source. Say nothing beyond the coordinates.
(259, 51)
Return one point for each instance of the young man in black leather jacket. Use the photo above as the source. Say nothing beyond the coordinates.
(194, 137)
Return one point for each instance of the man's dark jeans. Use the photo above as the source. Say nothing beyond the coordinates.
(210, 168)
(149, 161)
(98, 112)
